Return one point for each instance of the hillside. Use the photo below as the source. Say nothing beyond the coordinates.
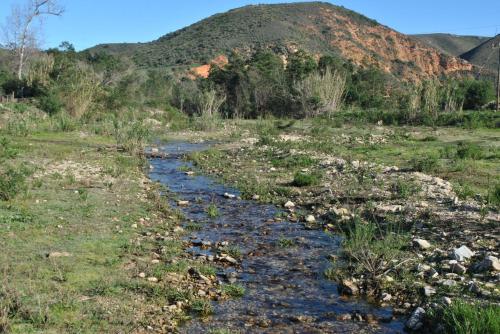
(319, 28)
(454, 45)
(484, 56)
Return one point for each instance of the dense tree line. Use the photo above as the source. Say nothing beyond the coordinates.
(266, 84)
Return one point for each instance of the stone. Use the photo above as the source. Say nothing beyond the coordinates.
(415, 322)
(310, 219)
(182, 203)
(429, 291)
(142, 275)
(289, 205)
(421, 244)
(229, 196)
(255, 197)
(463, 253)
(348, 287)
(189, 173)
(152, 279)
(489, 263)
(456, 267)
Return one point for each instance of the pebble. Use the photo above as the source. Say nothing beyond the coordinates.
(310, 219)
(255, 197)
(142, 275)
(229, 196)
(152, 279)
(289, 205)
(182, 203)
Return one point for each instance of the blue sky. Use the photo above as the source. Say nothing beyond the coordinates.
(89, 22)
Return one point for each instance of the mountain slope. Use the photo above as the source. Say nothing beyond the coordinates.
(319, 28)
(454, 45)
(484, 55)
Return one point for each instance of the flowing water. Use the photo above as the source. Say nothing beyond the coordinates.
(286, 291)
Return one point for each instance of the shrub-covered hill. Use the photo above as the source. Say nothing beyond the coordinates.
(485, 55)
(316, 27)
(454, 45)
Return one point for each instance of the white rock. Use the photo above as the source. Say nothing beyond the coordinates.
(182, 203)
(255, 197)
(463, 253)
(289, 205)
(230, 196)
(152, 279)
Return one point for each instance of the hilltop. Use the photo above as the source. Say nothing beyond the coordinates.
(316, 27)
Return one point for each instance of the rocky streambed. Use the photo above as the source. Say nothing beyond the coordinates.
(278, 262)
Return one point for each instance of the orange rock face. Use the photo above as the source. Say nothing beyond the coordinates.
(204, 70)
(387, 49)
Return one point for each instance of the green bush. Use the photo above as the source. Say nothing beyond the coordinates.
(301, 179)
(50, 103)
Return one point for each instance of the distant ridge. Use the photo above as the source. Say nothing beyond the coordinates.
(454, 45)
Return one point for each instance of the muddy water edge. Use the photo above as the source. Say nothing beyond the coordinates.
(279, 263)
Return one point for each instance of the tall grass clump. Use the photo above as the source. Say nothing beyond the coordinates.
(321, 93)
(373, 249)
(463, 318)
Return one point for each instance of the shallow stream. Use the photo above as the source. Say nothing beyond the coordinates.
(281, 266)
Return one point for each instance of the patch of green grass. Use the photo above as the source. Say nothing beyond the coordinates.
(463, 318)
(466, 150)
(426, 163)
(233, 290)
(293, 161)
(202, 307)
(285, 243)
(212, 211)
(405, 188)
(493, 196)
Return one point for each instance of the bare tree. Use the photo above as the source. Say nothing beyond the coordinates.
(20, 32)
